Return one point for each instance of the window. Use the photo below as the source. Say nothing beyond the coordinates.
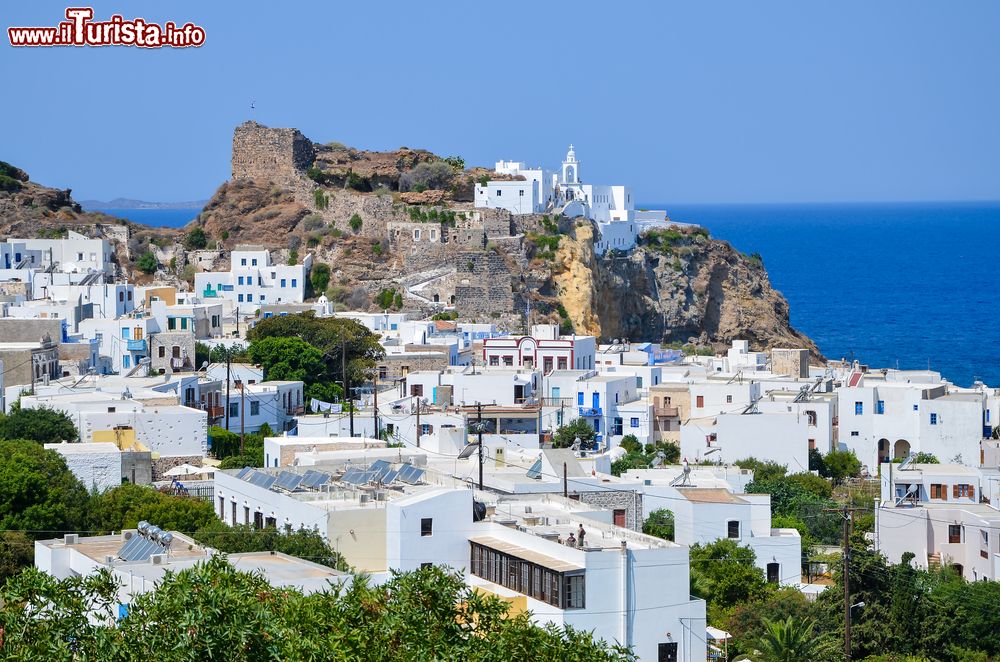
(573, 586)
(254, 408)
(729, 399)
(733, 528)
(880, 407)
(240, 280)
(222, 508)
(812, 444)
(634, 422)
(915, 407)
(963, 491)
(171, 323)
(666, 652)
(234, 409)
(520, 193)
(233, 510)
(258, 520)
(954, 533)
(426, 526)
(246, 514)
(933, 419)
(121, 296)
(811, 418)
(699, 401)
(249, 297)
(184, 320)
(282, 282)
(773, 573)
(499, 193)
(253, 262)
(939, 491)
(859, 408)
(161, 351)
(126, 362)
(579, 398)
(243, 262)
(508, 360)
(426, 566)
(295, 282)
(417, 390)
(561, 363)
(240, 298)
(854, 433)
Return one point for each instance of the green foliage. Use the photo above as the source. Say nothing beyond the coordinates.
(817, 463)
(9, 184)
(286, 359)
(925, 458)
(812, 483)
(41, 424)
(16, 553)
(792, 640)
(253, 457)
(195, 239)
(293, 257)
(355, 223)
(662, 241)
(483, 180)
(224, 235)
(756, 259)
(214, 612)
(38, 493)
(329, 335)
(302, 543)
(660, 523)
(397, 300)
(446, 315)
(746, 620)
(631, 444)
(377, 248)
(427, 175)
(456, 162)
(202, 353)
(385, 299)
(841, 465)
(321, 199)
(147, 262)
(357, 182)
(643, 456)
(567, 434)
(319, 276)
(762, 471)
(723, 574)
(123, 507)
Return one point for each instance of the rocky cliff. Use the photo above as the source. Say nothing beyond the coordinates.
(678, 287)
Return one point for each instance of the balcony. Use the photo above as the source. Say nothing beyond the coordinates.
(214, 412)
(136, 345)
(666, 411)
(209, 293)
(591, 412)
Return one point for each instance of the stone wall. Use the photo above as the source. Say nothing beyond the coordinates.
(167, 340)
(167, 463)
(266, 154)
(482, 288)
(399, 365)
(630, 502)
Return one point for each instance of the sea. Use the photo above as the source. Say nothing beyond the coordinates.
(910, 286)
(160, 218)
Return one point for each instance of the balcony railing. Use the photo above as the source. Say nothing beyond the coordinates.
(136, 345)
(557, 402)
(591, 411)
(666, 412)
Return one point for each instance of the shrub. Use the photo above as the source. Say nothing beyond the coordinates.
(433, 175)
(313, 222)
(147, 263)
(321, 199)
(196, 239)
(293, 257)
(385, 299)
(456, 162)
(377, 248)
(9, 184)
(320, 277)
(224, 235)
(355, 222)
(357, 182)
(397, 301)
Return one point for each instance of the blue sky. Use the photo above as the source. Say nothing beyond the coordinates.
(710, 101)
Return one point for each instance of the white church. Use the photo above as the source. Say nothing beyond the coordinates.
(612, 208)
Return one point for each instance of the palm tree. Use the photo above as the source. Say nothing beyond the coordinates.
(790, 640)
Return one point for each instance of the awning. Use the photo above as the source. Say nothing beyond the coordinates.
(717, 634)
(525, 554)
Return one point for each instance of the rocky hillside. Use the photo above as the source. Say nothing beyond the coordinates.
(679, 287)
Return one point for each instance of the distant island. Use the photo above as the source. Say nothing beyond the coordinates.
(129, 203)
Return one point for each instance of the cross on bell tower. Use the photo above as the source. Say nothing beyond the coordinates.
(570, 168)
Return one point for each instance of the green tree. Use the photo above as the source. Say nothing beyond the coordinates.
(812, 483)
(147, 263)
(842, 465)
(724, 574)
(123, 507)
(630, 443)
(355, 223)
(195, 239)
(286, 359)
(816, 462)
(565, 436)
(17, 551)
(660, 523)
(793, 640)
(214, 612)
(762, 471)
(38, 493)
(319, 277)
(925, 458)
(302, 543)
(41, 424)
(202, 353)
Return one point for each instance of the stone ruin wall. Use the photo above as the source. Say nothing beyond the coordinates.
(281, 156)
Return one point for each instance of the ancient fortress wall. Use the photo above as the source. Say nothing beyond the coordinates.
(278, 155)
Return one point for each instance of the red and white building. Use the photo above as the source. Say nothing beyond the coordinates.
(543, 350)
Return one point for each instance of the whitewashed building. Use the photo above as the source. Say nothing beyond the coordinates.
(253, 280)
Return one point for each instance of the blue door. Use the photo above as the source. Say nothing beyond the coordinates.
(597, 401)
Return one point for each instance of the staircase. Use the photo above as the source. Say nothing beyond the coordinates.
(934, 560)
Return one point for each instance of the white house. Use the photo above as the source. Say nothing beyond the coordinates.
(253, 280)
(74, 254)
(97, 465)
(544, 349)
(937, 513)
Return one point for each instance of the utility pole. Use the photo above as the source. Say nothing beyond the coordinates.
(846, 513)
(378, 431)
(418, 420)
(229, 379)
(243, 407)
(479, 419)
(347, 383)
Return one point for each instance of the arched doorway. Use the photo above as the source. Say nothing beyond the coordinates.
(901, 449)
(883, 450)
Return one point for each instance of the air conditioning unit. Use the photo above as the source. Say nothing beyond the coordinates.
(70, 539)
(158, 559)
(380, 495)
(364, 498)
